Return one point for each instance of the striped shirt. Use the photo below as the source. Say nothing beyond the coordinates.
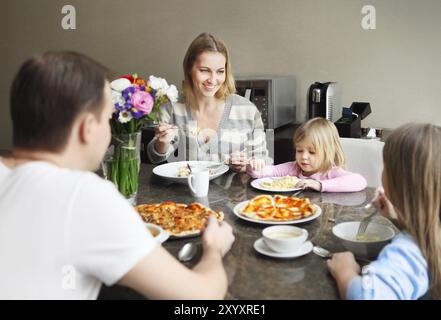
(240, 129)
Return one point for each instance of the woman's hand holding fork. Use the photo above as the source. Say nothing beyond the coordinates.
(164, 135)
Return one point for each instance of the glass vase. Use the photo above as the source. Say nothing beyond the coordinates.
(122, 162)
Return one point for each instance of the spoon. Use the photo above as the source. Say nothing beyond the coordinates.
(187, 252)
(322, 252)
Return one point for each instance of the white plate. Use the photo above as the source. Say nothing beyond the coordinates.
(261, 247)
(256, 184)
(185, 236)
(238, 208)
(169, 170)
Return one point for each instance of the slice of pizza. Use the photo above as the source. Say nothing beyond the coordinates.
(261, 201)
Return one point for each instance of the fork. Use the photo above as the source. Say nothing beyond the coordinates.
(364, 224)
(298, 192)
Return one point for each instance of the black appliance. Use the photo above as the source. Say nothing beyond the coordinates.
(324, 101)
(349, 125)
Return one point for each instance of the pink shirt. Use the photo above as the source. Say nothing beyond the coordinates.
(335, 180)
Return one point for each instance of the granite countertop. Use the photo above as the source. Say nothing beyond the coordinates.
(250, 274)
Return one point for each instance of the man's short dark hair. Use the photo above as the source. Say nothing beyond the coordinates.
(47, 95)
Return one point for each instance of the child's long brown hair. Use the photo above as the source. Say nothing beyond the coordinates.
(324, 137)
(412, 169)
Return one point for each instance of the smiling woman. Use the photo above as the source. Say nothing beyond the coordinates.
(214, 123)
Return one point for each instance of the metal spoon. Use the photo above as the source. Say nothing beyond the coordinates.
(322, 252)
(187, 252)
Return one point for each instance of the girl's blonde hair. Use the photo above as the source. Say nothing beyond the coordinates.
(324, 137)
(206, 42)
(412, 169)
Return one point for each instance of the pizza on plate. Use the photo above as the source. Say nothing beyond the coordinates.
(278, 208)
(178, 219)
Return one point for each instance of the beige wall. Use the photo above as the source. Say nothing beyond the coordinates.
(396, 67)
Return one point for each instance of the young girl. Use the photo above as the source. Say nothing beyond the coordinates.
(411, 264)
(319, 160)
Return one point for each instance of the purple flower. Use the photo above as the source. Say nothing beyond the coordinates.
(136, 113)
(127, 93)
(119, 107)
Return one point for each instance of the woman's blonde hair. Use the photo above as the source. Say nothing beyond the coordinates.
(324, 137)
(206, 42)
(412, 169)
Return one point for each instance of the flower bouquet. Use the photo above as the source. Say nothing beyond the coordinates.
(137, 102)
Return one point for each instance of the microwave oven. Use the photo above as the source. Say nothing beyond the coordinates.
(274, 97)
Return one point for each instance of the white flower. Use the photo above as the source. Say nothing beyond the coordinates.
(172, 93)
(118, 98)
(120, 84)
(158, 84)
(125, 116)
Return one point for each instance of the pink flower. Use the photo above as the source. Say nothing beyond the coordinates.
(142, 101)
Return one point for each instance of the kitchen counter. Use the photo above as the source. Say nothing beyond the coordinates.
(250, 274)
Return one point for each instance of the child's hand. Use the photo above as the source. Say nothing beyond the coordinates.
(238, 161)
(256, 165)
(343, 262)
(383, 205)
(343, 268)
(310, 184)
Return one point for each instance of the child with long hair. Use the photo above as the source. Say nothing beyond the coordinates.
(410, 266)
(319, 160)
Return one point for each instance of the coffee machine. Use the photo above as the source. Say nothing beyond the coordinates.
(324, 101)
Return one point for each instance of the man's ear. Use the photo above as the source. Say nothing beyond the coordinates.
(86, 129)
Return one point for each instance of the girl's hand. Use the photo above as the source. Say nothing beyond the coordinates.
(310, 184)
(383, 205)
(238, 161)
(343, 268)
(256, 165)
(343, 262)
(164, 134)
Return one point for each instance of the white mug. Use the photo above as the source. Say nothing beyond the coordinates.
(198, 181)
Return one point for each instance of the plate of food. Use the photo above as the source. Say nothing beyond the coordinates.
(277, 209)
(179, 171)
(277, 184)
(178, 219)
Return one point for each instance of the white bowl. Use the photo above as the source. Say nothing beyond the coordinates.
(378, 235)
(159, 234)
(284, 238)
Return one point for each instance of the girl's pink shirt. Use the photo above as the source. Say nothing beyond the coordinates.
(335, 180)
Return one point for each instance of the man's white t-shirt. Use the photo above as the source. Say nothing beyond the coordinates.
(63, 233)
(3, 169)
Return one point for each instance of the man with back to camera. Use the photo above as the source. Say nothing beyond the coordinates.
(63, 230)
